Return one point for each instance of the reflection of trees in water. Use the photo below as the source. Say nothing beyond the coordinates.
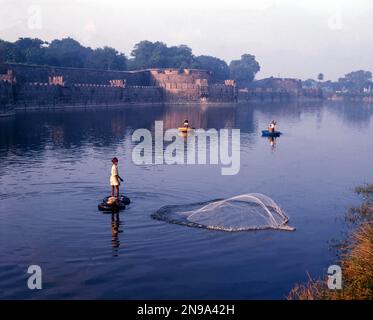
(244, 118)
(72, 129)
(291, 109)
(7, 132)
(353, 114)
(32, 133)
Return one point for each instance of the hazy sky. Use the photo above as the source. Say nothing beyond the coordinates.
(290, 38)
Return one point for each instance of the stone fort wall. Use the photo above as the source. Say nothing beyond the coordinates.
(30, 85)
(40, 74)
(45, 95)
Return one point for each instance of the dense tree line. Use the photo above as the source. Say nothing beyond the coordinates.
(355, 81)
(146, 54)
(62, 53)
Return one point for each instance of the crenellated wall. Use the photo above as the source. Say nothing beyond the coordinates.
(162, 77)
(43, 86)
(32, 73)
(42, 94)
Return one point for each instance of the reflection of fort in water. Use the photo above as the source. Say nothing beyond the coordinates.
(32, 131)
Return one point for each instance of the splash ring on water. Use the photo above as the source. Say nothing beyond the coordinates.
(252, 211)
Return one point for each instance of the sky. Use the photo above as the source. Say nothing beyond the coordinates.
(290, 38)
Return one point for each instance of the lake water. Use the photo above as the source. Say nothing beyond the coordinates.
(55, 168)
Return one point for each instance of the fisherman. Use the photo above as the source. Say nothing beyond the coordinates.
(272, 126)
(115, 178)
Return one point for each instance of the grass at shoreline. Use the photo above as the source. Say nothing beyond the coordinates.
(355, 258)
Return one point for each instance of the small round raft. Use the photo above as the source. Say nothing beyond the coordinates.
(266, 133)
(111, 204)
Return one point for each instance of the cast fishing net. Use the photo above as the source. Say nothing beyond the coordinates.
(245, 212)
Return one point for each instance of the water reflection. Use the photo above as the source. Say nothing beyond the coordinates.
(31, 132)
(199, 117)
(354, 114)
(60, 160)
(292, 110)
(72, 129)
(272, 142)
(115, 230)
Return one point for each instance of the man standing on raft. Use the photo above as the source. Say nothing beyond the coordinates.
(115, 178)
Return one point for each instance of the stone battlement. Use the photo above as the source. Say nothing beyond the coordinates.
(166, 85)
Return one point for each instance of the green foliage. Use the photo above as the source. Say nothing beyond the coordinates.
(320, 77)
(9, 52)
(106, 58)
(68, 52)
(356, 80)
(31, 50)
(218, 67)
(147, 54)
(244, 70)
(62, 53)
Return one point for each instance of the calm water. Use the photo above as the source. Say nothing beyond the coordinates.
(55, 167)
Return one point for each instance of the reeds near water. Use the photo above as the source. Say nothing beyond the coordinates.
(355, 256)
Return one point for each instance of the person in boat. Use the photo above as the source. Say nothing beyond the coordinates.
(272, 126)
(186, 124)
(115, 178)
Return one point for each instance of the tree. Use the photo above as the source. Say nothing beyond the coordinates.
(309, 84)
(31, 50)
(356, 80)
(244, 70)
(179, 57)
(219, 68)
(66, 53)
(106, 58)
(320, 77)
(147, 54)
(9, 52)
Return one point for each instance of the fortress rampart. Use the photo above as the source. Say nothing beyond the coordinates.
(30, 85)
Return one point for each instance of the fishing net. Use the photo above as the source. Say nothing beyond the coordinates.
(245, 212)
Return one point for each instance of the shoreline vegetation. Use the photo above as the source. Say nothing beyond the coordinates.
(69, 53)
(355, 256)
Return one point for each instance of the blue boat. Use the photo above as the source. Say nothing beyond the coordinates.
(266, 133)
